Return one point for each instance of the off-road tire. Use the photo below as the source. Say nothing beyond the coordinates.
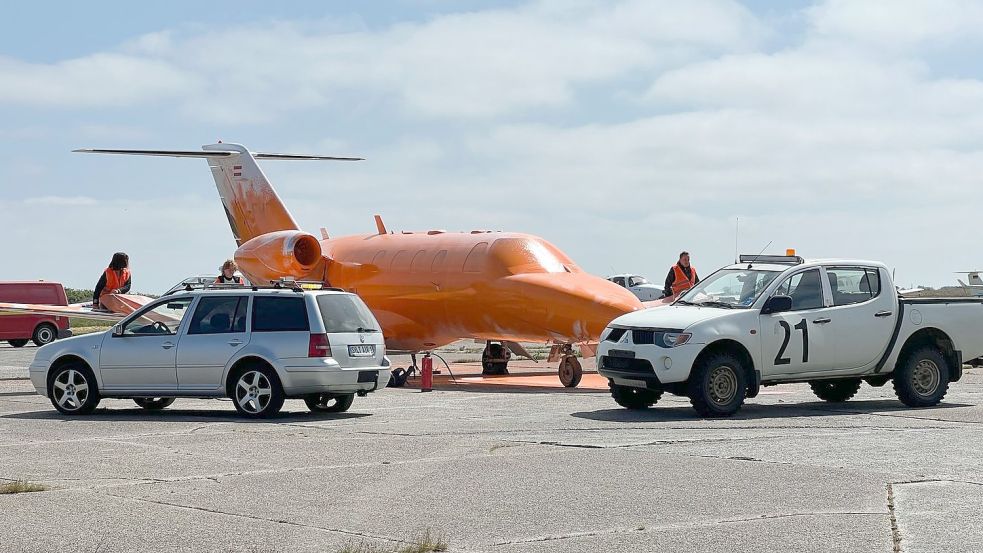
(329, 403)
(835, 391)
(44, 334)
(633, 398)
(153, 403)
(717, 385)
(77, 374)
(921, 379)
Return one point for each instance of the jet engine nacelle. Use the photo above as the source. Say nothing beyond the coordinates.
(274, 255)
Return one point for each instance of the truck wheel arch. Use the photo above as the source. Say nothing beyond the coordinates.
(738, 349)
(934, 337)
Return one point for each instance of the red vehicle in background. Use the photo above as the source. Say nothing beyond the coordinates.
(41, 329)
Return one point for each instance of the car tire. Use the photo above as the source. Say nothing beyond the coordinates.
(718, 385)
(256, 391)
(633, 398)
(570, 372)
(329, 403)
(921, 379)
(72, 389)
(18, 343)
(153, 403)
(44, 334)
(835, 391)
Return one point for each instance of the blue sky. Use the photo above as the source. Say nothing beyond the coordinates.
(622, 132)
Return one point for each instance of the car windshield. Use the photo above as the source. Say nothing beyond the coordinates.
(729, 288)
(638, 281)
(345, 313)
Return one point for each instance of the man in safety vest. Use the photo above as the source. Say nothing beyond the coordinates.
(682, 277)
(114, 280)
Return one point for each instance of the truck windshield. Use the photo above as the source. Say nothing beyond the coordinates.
(345, 313)
(729, 288)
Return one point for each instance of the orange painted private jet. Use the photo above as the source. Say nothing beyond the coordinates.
(427, 289)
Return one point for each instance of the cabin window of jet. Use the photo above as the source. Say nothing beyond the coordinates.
(476, 258)
(438, 262)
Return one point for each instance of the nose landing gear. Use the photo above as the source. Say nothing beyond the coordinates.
(570, 371)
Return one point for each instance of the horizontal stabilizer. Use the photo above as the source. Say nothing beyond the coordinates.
(212, 153)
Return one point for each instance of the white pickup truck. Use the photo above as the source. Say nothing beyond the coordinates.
(776, 319)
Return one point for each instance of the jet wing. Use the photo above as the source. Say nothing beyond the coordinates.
(121, 305)
(76, 311)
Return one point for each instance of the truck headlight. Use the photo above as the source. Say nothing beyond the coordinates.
(673, 339)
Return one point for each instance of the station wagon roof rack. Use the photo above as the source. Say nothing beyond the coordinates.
(780, 259)
(281, 284)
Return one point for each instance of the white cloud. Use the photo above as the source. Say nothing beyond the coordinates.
(898, 24)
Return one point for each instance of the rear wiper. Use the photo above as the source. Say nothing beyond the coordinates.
(360, 329)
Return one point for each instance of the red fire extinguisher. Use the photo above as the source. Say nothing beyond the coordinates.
(426, 380)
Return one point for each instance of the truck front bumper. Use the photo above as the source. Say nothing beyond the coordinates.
(647, 365)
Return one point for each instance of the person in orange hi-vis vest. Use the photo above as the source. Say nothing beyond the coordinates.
(682, 276)
(114, 280)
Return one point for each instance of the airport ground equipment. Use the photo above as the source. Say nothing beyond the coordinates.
(775, 319)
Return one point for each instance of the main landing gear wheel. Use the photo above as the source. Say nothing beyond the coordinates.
(153, 403)
(570, 371)
(495, 359)
(397, 379)
(17, 343)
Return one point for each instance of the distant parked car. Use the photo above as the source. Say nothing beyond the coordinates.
(255, 346)
(41, 329)
(638, 285)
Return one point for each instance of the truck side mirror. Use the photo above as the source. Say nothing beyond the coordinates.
(777, 304)
(117, 329)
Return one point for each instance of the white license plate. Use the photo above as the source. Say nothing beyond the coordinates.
(361, 350)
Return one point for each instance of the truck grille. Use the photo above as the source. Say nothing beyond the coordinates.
(643, 336)
(625, 364)
(615, 335)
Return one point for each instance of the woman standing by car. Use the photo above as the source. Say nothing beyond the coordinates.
(114, 280)
(228, 275)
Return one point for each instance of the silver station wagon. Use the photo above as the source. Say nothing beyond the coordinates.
(257, 346)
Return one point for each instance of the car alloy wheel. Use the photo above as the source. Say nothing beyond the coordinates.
(253, 392)
(71, 390)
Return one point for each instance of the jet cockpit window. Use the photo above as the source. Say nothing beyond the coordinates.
(527, 255)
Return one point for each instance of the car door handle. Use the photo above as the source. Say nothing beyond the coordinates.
(882, 314)
(821, 320)
(235, 343)
(167, 345)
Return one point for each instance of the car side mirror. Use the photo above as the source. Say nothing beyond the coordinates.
(117, 330)
(777, 304)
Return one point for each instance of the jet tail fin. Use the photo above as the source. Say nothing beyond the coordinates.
(252, 206)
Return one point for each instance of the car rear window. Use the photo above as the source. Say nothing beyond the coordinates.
(273, 314)
(345, 313)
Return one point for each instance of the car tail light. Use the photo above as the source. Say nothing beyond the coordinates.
(319, 346)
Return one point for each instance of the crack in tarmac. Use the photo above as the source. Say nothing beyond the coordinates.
(351, 533)
(646, 529)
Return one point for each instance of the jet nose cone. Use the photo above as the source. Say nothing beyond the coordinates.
(575, 307)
